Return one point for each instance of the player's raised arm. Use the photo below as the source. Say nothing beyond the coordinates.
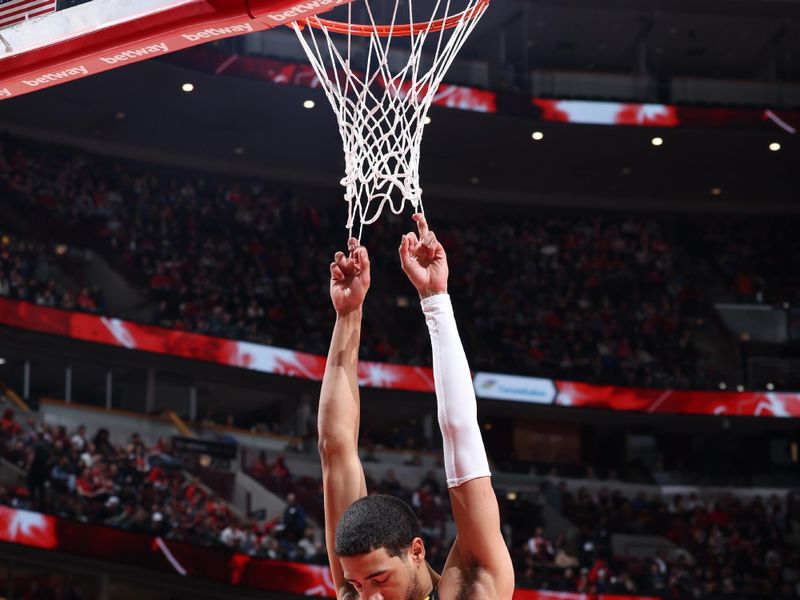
(339, 410)
(479, 565)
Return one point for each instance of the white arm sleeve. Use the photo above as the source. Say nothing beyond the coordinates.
(464, 454)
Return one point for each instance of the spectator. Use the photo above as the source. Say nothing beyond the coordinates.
(294, 519)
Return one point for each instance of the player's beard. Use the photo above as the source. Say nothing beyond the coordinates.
(415, 591)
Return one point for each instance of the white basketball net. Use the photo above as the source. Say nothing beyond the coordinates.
(382, 114)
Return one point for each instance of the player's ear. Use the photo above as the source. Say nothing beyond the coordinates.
(418, 552)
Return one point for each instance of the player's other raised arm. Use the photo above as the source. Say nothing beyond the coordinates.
(339, 410)
(479, 564)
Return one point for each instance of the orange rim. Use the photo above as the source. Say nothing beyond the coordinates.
(396, 30)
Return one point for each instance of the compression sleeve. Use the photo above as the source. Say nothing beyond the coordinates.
(464, 453)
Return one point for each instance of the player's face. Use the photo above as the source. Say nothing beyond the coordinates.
(378, 576)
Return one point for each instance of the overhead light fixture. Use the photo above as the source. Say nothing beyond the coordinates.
(475, 180)
(715, 191)
(770, 386)
(427, 120)
(511, 496)
(309, 104)
(723, 386)
(657, 141)
(774, 146)
(238, 150)
(739, 388)
(537, 136)
(120, 115)
(188, 87)
(2, 361)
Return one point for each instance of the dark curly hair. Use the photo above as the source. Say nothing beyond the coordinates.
(376, 522)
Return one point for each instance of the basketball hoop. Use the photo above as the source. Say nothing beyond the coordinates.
(381, 93)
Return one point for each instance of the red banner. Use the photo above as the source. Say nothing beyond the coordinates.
(232, 353)
(741, 404)
(588, 112)
(281, 361)
(135, 549)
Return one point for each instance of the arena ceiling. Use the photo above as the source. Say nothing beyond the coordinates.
(737, 39)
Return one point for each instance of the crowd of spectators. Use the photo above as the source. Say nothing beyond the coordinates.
(25, 269)
(757, 258)
(588, 297)
(139, 488)
(730, 548)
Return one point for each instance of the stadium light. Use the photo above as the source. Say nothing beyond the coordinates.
(740, 388)
(774, 146)
(187, 87)
(2, 361)
(427, 120)
(715, 191)
(657, 141)
(770, 386)
(309, 104)
(723, 386)
(537, 136)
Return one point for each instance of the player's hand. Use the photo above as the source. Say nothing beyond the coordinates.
(424, 261)
(350, 278)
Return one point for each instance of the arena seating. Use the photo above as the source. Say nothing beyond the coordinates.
(601, 297)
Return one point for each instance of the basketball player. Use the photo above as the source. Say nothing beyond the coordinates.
(374, 543)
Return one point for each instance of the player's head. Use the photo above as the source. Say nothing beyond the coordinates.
(380, 549)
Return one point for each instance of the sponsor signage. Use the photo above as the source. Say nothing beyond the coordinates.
(126, 37)
(533, 390)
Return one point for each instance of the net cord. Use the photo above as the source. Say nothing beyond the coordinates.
(382, 132)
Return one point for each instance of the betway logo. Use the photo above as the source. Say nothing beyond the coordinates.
(56, 76)
(213, 32)
(129, 54)
(5, 93)
(302, 9)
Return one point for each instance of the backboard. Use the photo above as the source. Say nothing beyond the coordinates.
(99, 35)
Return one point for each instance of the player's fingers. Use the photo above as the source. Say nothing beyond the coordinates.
(403, 251)
(336, 272)
(342, 261)
(426, 247)
(430, 240)
(422, 224)
(363, 257)
(352, 245)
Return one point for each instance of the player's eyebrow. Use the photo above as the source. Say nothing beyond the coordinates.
(372, 576)
(377, 574)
